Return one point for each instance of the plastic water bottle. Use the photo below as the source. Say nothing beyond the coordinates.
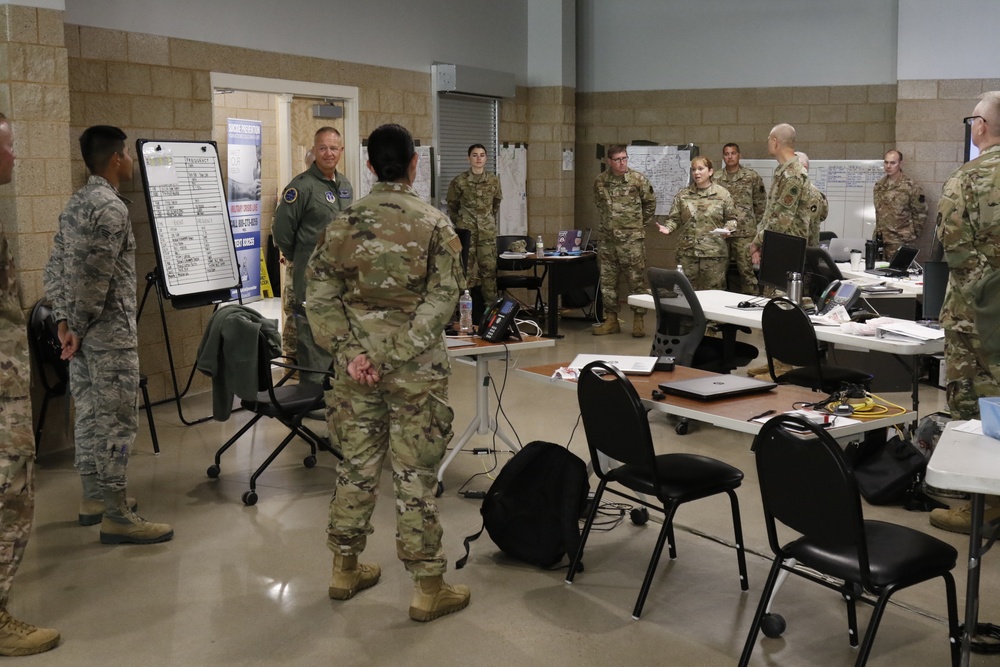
(677, 287)
(539, 246)
(465, 313)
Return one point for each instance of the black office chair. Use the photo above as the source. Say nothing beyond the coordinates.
(45, 348)
(681, 324)
(520, 274)
(616, 425)
(809, 489)
(789, 337)
(827, 236)
(820, 271)
(288, 403)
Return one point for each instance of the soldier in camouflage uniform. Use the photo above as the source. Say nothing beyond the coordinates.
(749, 197)
(17, 445)
(700, 209)
(307, 205)
(90, 280)
(473, 204)
(816, 207)
(900, 209)
(381, 286)
(787, 204)
(626, 203)
(968, 227)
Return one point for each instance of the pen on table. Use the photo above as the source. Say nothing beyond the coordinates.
(763, 414)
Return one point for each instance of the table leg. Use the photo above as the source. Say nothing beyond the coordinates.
(972, 583)
(553, 319)
(482, 423)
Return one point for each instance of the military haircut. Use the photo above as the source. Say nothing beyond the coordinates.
(991, 110)
(98, 144)
(390, 149)
(324, 130)
(474, 147)
(615, 149)
(731, 145)
(893, 150)
(784, 133)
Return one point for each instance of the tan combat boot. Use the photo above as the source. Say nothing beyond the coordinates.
(610, 326)
(350, 576)
(20, 638)
(121, 525)
(433, 598)
(959, 519)
(637, 330)
(92, 505)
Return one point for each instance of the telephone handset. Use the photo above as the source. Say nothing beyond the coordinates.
(838, 293)
(498, 321)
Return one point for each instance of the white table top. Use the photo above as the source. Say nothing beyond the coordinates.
(912, 287)
(481, 347)
(965, 462)
(720, 306)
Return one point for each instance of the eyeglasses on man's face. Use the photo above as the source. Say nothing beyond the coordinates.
(969, 120)
(619, 160)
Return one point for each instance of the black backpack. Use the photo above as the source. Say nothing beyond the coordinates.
(532, 510)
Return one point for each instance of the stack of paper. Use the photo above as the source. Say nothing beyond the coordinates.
(908, 332)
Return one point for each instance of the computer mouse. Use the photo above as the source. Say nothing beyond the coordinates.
(563, 253)
(862, 316)
(745, 304)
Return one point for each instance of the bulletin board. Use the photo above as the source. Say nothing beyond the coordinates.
(189, 217)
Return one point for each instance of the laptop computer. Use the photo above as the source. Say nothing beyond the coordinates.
(629, 365)
(569, 242)
(716, 386)
(898, 266)
(840, 249)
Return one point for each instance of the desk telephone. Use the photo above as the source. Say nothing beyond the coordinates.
(498, 321)
(838, 293)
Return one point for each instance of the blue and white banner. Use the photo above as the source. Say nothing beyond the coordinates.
(244, 201)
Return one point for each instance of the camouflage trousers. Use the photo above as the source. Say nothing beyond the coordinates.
(308, 352)
(482, 266)
(969, 374)
(739, 252)
(289, 330)
(411, 421)
(104, 385)
(704, 272)
(622, 259)
(17, 489)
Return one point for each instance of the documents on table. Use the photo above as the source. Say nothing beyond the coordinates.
(824, 419)
(908, 332)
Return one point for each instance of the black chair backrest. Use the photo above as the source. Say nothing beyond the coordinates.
(807, 485)
(680, 321)
(935, 286)
(821, 270)
(614, 418)
(788, 334)
(827, 236)
(43, 340)
(504, 243)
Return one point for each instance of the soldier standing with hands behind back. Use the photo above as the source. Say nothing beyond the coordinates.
(626, 203)
(473, 204)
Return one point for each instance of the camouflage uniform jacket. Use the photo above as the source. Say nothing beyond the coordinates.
(90, 276)
(384, 281)
(698, 212)
(749, 196)
(308, 204)
(474, 201)
(786, 210)
(900, 210)
(968, 226)
(817, 208)
(15, 369)
(625, 202)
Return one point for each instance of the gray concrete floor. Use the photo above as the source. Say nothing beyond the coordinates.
(247, 585)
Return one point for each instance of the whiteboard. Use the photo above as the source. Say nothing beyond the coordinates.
(848, 186)
(512, 170)
(423, 183)
(668, 169)
(189, 217)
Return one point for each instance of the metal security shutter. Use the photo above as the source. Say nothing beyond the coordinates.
(464, 120)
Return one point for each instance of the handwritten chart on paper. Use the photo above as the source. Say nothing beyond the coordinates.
(668, 169)
(188, 213)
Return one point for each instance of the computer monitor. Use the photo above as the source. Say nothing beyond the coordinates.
(781, 254)
(935, 285)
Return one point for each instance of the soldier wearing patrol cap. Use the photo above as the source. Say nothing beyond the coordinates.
(307, 205)
(900, 209)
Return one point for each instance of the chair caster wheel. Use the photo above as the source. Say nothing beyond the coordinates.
(681, 428)
(213, 471)
(249, 498)
(309, 461)
(440, 490)
(772, 625)
(639, 516)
